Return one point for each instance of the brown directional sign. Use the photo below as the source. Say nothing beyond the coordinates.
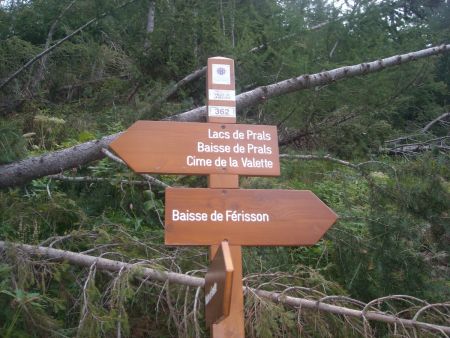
(199, 148)
(245, 217)
(221, 95)
(218, 285)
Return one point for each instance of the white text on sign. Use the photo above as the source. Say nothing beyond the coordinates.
(216, 216)
(241, 152)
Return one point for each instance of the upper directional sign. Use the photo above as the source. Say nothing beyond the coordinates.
(245, 217)
(218, 285)
(199, 148)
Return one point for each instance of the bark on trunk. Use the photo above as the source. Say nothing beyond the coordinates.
(313, 80)
(18, 173)
(162, 276)
(105, 264)
(150, 24)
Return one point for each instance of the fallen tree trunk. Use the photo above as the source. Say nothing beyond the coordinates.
(198, 73)
(177, 278)
(18, 173)
(21, 172)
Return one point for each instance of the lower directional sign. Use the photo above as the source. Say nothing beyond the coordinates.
(245, 217)
(218, 285)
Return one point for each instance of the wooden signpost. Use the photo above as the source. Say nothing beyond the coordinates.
(233, 324)
(223, 216)
(218, 285)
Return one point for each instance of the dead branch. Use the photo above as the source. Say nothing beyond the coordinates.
(43, 62)
(414, 148)
(150, 179)
(437, 119)
(321, 158)
(356, 166)
(277, 297)
(20, 172)
(90, 179)
(173, 89)
(57, 44)
(106, 264)
(369, 315)
(312, 28)
(419, 142)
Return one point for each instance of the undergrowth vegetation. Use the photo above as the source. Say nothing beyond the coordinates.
(372, 162)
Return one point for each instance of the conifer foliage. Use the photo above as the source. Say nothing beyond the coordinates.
(361, 124)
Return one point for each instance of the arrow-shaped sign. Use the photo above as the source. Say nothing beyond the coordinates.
(218, 285)
(245, 217)
(199, 148)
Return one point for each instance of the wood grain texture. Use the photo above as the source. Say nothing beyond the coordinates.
(181, 148)
(223, 181)
(233, 324)
(218, 285)
(281, 217)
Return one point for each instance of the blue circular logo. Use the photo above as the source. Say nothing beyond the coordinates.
(221, 71)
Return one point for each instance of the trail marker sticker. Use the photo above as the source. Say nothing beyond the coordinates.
(222, 95)
(221, 74)
(221, 98)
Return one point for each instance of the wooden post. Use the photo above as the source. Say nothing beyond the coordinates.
(221, 106)
(233, 325)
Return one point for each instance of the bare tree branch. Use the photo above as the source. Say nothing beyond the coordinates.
(90, 179)
(369, 315)
(18, 173)
(437, 119)
(399, 147)
(43, 62)
(321, 158)
(57, 44)
(277, 297)
(150, 179)
(173, 89)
